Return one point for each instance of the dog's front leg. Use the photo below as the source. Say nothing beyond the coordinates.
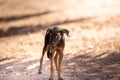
(59, 65)
(56, 59)
(52, 67)
(41, 59)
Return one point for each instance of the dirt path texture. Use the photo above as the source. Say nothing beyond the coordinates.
(92, 50)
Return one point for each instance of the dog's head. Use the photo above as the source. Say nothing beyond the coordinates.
(56, 34)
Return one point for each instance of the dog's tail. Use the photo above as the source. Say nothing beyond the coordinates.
(49, 54)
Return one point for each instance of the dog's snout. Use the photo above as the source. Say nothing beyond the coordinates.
(53, 43)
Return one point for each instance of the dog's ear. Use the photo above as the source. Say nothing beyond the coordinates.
(65, 31)
(48, 31)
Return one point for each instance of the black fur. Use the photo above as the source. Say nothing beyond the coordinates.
(48, 39)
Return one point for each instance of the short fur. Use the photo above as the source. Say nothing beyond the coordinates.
(54, 45)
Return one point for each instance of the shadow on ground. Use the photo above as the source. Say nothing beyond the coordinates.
(21, 30)
(3, 59)
(18, 17)
(80, 67)
(67, 21)
(86, 67)
(24, 69)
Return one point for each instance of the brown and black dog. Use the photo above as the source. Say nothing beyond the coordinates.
(54, 45)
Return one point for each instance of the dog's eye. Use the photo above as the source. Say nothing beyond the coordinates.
(58, 36)
(50, 34)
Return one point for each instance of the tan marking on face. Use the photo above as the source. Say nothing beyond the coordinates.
(58, 36)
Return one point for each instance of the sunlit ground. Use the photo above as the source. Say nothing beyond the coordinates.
(92, 50)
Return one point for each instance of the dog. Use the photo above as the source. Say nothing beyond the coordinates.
(54, 45)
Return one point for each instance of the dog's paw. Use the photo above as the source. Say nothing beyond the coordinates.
(60, 79)
(50, 78)
(39, 72)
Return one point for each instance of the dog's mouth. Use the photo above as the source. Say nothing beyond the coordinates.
(54, 44)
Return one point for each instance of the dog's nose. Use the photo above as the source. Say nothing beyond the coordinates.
(53, 44)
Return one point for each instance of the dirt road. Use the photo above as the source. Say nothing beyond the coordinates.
(92, 50)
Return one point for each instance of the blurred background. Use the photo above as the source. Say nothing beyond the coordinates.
(92, 50)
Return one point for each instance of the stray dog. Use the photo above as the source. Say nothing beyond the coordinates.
(54, 45)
